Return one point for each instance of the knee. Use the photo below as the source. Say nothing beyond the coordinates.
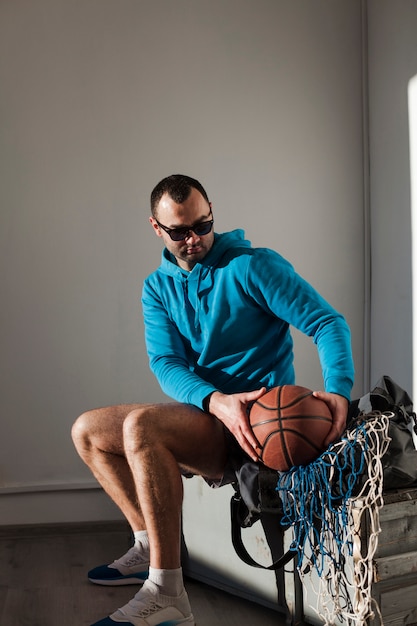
(138, 429)
(82, 430)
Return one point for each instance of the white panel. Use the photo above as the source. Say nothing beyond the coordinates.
(207, 533)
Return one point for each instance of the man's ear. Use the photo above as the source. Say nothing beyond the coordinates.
(155, 226)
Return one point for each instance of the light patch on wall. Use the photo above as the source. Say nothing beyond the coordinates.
(412, 114)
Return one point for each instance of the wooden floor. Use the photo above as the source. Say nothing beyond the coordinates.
(43, 581)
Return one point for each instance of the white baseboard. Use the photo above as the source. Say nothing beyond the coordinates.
(50, 504)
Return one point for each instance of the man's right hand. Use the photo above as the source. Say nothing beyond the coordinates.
(232, 411)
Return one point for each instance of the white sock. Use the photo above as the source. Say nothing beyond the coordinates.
(169, 581)
(142, 541)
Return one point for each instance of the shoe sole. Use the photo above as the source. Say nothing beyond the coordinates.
(117, 582)
(108, 621)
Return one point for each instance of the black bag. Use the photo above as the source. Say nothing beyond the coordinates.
(255, 496)
(400, 460)
(255, 486)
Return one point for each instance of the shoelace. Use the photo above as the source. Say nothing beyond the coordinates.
(132, 557)
(135, 609)
(152, 608)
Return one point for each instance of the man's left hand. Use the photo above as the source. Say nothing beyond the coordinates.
(338, 406)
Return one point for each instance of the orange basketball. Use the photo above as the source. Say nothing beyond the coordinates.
(290, 425)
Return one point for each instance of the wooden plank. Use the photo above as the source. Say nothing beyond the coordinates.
(397, 510)
(398, 521)
(400, 602)
(391, 567)
(397, 536)
(400, 495)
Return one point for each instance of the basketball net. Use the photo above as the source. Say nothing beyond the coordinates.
(329, 503)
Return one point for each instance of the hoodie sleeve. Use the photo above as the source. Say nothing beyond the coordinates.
(274, 284)
(168, 358)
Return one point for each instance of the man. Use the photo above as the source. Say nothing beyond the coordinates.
(217, 314)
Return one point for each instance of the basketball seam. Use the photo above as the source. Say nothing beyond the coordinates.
(323, 418)
(284, 443)
(296, 432)
(285, 406)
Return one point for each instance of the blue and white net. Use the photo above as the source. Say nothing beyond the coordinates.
(327, 504)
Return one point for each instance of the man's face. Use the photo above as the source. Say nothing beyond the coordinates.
(192, 212)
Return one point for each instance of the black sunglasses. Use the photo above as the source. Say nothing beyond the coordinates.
(179, 234)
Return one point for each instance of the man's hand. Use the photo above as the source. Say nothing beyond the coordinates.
(338, 406)
(232, 411)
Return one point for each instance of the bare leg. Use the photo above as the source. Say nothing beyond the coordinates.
(98, 438)
(136, 453)
(159, 440)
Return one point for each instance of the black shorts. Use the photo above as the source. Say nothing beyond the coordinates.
(236, 457)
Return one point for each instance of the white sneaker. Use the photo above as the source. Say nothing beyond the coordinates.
(131, 569)
(150, 608)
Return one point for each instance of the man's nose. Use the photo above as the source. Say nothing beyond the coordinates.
(191, 235)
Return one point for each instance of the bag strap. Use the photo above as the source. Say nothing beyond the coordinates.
(240, 548)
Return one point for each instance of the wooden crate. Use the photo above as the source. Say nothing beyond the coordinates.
(394, 581)
(394, 585)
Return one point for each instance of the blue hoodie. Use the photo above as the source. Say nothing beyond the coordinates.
(225, 325)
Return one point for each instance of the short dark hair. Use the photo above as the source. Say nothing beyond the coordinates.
(178, 187)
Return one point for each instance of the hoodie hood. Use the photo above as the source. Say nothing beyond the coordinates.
(223, 244)
(201, 278)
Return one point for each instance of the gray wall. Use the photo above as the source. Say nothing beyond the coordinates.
(99, 100)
